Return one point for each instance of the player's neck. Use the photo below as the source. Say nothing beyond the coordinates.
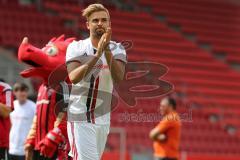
(94, 41)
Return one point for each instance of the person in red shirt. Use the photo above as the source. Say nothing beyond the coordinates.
(6, 106)
(47, 138)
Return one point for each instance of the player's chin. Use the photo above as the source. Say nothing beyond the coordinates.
(99, 34)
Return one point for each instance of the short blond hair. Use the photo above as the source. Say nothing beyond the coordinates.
(94, 8)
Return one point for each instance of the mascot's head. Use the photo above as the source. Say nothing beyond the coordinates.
(43, 61)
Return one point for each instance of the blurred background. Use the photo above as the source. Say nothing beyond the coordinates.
(198, 40)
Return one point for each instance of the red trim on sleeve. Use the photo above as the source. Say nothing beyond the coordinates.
(9, 99)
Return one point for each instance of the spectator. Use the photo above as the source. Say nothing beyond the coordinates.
(6, 106)
(166, 135)
(21, 119)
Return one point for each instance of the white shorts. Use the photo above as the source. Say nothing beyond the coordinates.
(87, 140)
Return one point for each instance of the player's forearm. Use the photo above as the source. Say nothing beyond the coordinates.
(61, 123)
(116, 70)
(4, 110)
(80, 72)
(161, 137)
(61, 117)
(153, 135)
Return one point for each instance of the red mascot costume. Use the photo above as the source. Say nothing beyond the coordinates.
(47, 138)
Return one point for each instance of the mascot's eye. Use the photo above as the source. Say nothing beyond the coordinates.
(52, 51)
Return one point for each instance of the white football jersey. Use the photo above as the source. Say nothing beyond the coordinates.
(90, 99)
(21, 120)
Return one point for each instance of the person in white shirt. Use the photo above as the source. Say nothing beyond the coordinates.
(93, 65)
(21, 119)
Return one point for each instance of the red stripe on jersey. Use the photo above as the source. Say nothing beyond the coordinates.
(74, 149)
(94, 100)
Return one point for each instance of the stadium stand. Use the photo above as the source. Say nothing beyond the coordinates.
(18, 21)
(208, 90)
(215, 23)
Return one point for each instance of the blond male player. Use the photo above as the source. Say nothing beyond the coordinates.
(94, 65)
